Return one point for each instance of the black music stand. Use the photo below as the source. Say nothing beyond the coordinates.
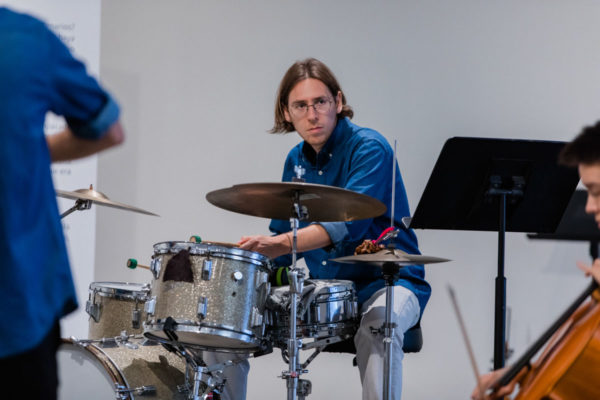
(575, 225)
(500, 185)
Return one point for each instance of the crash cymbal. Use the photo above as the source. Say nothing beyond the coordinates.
(275, 201)
(100, 199)
(395, 256)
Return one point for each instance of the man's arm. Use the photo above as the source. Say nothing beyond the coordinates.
(66, 146)
(309, 238)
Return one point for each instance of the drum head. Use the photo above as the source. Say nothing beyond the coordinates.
(121, 290)
(82, 375)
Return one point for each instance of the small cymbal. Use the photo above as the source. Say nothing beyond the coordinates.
(275, 201)
(394, 256)
(100, 199)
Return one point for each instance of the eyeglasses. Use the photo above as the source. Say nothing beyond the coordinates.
(321, 105)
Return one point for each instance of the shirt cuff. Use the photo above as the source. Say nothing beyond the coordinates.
(337, 231)
(94, 129)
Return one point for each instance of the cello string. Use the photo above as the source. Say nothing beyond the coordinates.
(467, 341)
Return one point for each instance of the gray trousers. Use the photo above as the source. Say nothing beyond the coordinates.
(369, 348)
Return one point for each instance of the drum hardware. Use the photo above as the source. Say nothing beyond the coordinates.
(155, 267)
(304, 388)
(122, 340)
(202, 306)
(207, 269)
(84, 198)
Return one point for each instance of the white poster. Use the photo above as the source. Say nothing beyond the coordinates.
(77, 23)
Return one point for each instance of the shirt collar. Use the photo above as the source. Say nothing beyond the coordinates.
(337, 137)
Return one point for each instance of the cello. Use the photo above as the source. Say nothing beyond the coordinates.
(569, 366)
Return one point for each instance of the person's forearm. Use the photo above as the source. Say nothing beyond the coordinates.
(311, 237)
(64, 145)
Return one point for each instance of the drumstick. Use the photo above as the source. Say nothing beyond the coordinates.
(133, 264)
(467, 342)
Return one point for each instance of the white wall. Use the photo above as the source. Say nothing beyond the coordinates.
(197, 80)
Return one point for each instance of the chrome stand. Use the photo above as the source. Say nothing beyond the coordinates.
(296, 280)
(390, 272)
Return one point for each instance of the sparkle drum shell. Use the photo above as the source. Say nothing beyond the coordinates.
(90, 372)
(114, 307)
(223, 309)
(332, 312)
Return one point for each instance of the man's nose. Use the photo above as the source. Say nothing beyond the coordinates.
(590, 205)
(312, 113)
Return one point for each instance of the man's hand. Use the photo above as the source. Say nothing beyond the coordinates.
(593, 270)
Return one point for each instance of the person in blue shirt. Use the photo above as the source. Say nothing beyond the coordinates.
(38, 74)
(336, 152)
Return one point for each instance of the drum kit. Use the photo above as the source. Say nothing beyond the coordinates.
(148, 339)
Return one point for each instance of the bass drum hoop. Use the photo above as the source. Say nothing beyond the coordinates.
(113, 371)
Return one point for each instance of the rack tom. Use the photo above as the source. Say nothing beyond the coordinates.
(220, 306)
(114, 307)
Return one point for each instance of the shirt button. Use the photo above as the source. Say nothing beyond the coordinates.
(324, 262)
(320, 172)
(330, 155)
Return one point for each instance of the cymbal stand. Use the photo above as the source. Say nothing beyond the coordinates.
(296, 280)
(390, 272)
(80, 205)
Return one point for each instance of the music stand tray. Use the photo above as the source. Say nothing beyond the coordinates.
(500, 185)
(575, 225)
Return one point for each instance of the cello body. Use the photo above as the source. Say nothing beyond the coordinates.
(569, 366)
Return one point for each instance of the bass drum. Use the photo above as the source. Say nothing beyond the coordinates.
(131, 371)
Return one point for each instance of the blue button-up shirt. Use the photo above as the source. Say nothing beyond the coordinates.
(357, 159)
(37, 74)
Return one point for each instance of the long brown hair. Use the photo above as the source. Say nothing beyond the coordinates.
(299, 71)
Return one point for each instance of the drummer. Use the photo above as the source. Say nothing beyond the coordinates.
(336, 152)
(584, 153)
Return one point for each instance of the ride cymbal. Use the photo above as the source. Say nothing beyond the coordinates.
(275, 200)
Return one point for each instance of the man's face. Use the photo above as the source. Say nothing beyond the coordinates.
(313, 109)
(590, 177)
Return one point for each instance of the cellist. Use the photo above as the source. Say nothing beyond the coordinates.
(584, 153)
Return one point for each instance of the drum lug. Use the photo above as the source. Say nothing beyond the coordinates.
(155, 266)
(202, 307)
(207, 269)
(135, 319)
(93, 310)
(237, 276)
(150, 305)
(256, 319)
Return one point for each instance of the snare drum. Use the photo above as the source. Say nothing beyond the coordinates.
(114, 307)
(222, 309)
(134, 371)
(332, 311)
